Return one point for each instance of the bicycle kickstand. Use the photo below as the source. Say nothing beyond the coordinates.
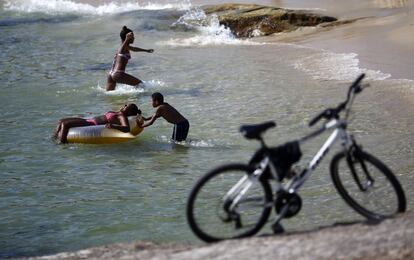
(277, 228)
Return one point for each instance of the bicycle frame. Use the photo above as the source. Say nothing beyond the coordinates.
(236, 193)
(339, 132)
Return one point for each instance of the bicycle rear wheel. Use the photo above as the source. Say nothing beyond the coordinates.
(367, 185)
(214, 210)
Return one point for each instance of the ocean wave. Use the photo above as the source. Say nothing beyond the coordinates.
(336, 66)
(31, 20)
(67, 6)
(204, 40)
(208, 31)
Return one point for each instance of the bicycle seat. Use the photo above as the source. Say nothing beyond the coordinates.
(254, 131)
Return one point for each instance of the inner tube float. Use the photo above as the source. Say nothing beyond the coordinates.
(99, 134)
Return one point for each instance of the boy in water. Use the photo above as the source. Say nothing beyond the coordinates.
(169, 113)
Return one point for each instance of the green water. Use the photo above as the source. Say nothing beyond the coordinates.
(57, 198)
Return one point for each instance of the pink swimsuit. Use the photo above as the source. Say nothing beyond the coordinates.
(108, 115)
(127, 56)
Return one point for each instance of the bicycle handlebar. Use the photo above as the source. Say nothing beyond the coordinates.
(324, 114)
(355, 85)
(334, 112)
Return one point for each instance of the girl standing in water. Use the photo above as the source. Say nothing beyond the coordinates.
(117, 73)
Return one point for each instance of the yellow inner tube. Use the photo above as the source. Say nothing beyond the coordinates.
(98, 134)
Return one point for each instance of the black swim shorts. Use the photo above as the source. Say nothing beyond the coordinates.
(180, 131)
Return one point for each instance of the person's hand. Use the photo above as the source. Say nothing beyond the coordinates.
(129, 36)
(108, 125)
(140, 123)
(150, 50)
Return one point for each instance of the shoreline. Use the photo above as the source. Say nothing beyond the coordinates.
(381, 39)
(380, 36)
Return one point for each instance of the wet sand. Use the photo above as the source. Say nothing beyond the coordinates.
(384, 43)
(384, 40)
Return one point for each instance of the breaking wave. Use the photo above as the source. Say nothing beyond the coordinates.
(67, 6)
(208, 31)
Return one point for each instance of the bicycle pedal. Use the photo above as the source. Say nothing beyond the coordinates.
(277, 228)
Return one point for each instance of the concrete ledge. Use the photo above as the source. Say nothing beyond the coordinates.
(390, 239)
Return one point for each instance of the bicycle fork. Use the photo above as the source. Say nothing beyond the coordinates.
(352, 156)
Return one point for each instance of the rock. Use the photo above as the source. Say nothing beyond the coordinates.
(249, 20)
(390, 239)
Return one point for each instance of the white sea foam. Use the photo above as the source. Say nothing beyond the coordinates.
(327, 65)
(122, 89)
(188, 142)
(153, 84)
(208, 31)
(67, 6)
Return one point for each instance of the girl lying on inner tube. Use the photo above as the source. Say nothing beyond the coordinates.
(115, 120)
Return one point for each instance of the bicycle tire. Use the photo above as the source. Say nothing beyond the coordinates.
(225, 170)
(382, 173)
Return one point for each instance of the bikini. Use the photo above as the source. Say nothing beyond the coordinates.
(108, 116)
(126, 56)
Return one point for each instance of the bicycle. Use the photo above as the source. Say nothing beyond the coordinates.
(243, 197)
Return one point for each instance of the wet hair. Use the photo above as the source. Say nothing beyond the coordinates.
(133, 110)
(124, 32)
(158, 97)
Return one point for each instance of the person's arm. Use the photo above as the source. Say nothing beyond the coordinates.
(137, 49)
(125, 45)
(150, 120)
(123, 127)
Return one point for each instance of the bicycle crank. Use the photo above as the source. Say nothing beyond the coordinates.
(291, 200)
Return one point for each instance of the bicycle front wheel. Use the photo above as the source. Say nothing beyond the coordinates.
(228, 203)
(367, 185)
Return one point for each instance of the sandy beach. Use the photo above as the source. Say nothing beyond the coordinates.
(383, 41)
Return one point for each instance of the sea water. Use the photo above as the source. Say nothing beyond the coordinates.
(55, 56)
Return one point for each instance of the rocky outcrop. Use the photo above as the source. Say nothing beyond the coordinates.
(249, 20)
(390, 239)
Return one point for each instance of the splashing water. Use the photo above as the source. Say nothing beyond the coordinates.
(153, 84)
(123, 89)
(209, 29)
(189, 142)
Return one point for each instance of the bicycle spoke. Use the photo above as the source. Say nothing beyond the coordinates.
(241, 210)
